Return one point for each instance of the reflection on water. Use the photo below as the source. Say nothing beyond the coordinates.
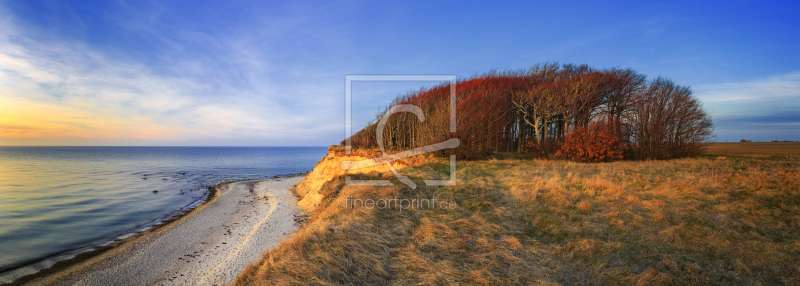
(55, 199)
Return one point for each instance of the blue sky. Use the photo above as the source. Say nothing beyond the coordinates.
(272, 74)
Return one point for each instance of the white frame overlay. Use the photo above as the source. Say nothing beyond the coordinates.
(387, 159)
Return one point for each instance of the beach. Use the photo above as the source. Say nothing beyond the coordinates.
(209, 246)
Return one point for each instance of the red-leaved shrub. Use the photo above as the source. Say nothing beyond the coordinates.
(598, 143)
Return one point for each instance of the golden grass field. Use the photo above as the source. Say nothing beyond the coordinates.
(730, 218)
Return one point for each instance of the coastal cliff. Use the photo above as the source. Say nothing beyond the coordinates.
(330, 167)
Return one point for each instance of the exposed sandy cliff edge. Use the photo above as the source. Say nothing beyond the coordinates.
(330, 167)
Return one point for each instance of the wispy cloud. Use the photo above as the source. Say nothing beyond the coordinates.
(777, 89)
(65, 91)
(764, 108)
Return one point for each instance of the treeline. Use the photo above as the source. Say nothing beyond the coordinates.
(536, 110)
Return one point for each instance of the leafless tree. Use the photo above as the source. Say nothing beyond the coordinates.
(667, 121)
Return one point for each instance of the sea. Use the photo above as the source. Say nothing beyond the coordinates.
(56, 202)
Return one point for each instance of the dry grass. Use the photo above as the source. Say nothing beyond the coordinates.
(692, 221)
(689, 221)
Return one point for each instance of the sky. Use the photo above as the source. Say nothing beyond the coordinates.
(264, 73)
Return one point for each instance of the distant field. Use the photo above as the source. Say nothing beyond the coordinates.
(755, 148)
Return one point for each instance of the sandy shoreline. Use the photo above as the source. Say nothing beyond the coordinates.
(211, 245)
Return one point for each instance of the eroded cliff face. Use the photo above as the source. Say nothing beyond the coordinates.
(330, 167)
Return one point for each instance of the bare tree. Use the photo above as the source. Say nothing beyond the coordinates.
(667, 121)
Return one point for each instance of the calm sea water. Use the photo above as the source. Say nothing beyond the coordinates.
(57, 201)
